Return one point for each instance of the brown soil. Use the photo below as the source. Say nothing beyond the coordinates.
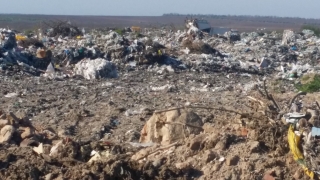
(91, 115)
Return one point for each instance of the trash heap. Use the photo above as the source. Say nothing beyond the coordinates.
(65, 45)
(304, 132)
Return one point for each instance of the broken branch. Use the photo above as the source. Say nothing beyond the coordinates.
(317, 104)
(265, 88)
(274, 102)
(199, 107)
(254, 99)
(184, 124)
(269, 96)
(159, 149)
(294, 97)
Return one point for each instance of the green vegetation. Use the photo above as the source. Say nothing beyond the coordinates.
(29, 31)
(139, 35)
(309, 83)
(5, 19)
(315, 29)
(119, 31)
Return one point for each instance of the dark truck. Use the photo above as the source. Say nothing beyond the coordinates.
(203, 25)
(233, 35)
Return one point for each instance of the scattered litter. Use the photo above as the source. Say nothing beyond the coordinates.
(95, 157)
(54, 149)
(39, 149)
(114, 122)
(315, 131)
(93, 152)
(141, 144)
(221, 159)
(50, 72)
(10, 95)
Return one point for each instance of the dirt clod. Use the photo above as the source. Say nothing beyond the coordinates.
(232, 161)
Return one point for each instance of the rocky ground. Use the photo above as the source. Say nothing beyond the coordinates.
(103, 116)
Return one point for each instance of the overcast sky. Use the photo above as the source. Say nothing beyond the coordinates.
(287, 8)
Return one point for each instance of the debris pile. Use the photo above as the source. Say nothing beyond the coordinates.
(303, 132)
(62, 28)
(256, 53)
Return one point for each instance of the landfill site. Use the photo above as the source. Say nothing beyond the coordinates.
(157, 103)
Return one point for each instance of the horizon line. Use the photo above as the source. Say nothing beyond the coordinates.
(164, 14)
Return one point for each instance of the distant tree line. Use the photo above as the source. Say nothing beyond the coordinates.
(316, 30)
(255, 18)
(241, 16)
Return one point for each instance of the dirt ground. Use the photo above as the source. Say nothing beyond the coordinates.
(25, 21)
(105, 115)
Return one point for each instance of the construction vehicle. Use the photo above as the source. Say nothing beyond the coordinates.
(233, 35)
(201, 24)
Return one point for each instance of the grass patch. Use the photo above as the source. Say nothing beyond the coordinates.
(119, 31)
(315, 29)
(29, 31)
(139, 35)
(312, 83)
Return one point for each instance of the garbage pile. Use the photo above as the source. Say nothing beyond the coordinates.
(303, 134)
(65, 45)
(62, 28)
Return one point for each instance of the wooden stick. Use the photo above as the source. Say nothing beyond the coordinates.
(294, 98)
(159, 149)
(254, 99)
(259, 90)
(269, 96)
(184, 124)
(265, 88)
(274, 102)
(199, 107)
(317, 104)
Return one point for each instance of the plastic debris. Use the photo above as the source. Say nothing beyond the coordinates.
(54, 149)
(10, 95)
(315, 131)
(39, 149)
(95, 69)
